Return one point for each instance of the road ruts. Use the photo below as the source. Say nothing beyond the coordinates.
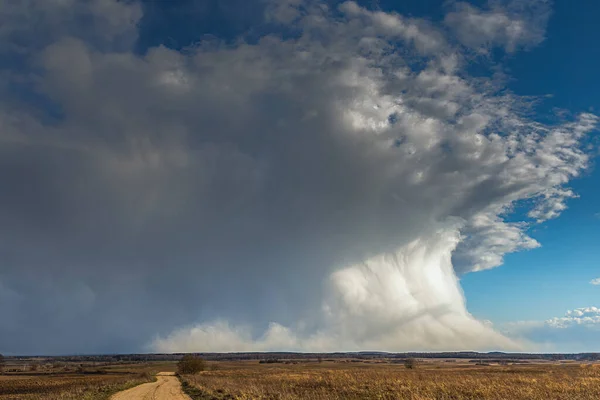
(166, 387)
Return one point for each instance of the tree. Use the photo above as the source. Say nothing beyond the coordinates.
(190, 365)
(411, 363)
(34, 366)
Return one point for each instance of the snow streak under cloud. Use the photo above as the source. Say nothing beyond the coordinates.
(318, 190)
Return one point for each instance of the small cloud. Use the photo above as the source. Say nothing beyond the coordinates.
(511, 25)
(518, 328)
(595, 281)
(576, 331)
(588, 316)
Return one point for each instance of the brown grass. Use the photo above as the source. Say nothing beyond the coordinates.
(69, 386)
(391, 381)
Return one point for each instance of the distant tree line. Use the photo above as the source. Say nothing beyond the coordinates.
(282, 356)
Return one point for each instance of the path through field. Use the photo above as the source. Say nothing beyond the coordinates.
(167, 387)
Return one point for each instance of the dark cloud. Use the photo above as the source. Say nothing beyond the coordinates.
(231, 186)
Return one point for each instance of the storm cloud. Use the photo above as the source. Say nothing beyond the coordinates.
(320, 187)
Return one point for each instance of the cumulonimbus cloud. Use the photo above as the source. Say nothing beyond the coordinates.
(321, 191)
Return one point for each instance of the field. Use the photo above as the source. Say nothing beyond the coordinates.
(381, 380)
(71, 383)
(327, 379)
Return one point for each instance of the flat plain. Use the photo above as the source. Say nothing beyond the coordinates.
(333, 379)
(429, 380)
(70, 382)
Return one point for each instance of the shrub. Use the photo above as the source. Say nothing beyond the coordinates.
(411, 363)
(190, 364)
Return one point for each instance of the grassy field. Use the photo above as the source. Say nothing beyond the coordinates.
(327, 380)
(90, 384)
(431, 380)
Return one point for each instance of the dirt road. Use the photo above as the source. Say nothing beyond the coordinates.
(167, 387)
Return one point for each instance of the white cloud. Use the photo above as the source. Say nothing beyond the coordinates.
(489, 238)
(29, 25)
(283, 11)
(595, 281)
(512, 25)
(317, 185)
(425, 39)
(580, 316)
(220, 336)
(576, 331)
(553, 204)
(405, 301)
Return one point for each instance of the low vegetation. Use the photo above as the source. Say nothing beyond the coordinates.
(189, 365)
(280, 378)
(411, 363)
(83, 385)
(431, 380)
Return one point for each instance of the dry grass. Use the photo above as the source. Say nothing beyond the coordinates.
(329, 381)
(67, 386)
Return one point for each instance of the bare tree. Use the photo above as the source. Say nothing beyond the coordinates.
(190, 364)
(411, 363)
(34, 366)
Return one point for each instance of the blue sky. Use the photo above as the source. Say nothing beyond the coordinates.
(547, 281)
(308, 175)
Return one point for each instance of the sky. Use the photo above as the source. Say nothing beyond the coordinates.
(298, 175)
